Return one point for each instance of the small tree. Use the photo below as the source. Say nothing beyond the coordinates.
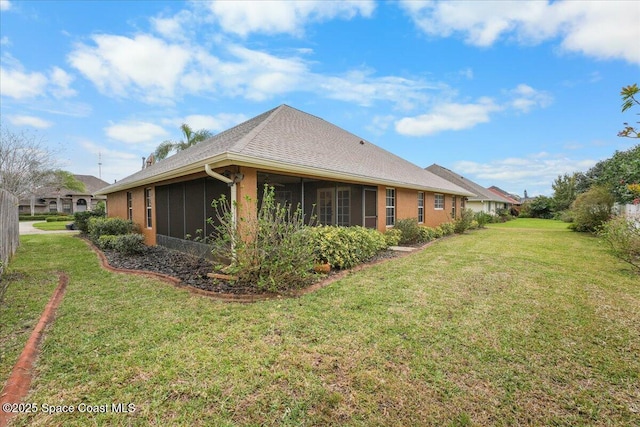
(592, 209)
(622, 235)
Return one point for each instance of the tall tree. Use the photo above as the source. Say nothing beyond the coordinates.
(191, 138)
(628, 94)
(564, 191)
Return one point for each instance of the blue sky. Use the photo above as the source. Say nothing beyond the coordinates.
(511, 94)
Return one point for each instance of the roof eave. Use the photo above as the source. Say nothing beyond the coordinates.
(227, 159)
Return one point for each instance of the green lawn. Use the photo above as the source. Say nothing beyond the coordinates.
(54, 225)
(512, 325)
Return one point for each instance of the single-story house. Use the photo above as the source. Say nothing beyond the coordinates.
(516, 201)
(339, 177)
(483, 201)
(64, 200)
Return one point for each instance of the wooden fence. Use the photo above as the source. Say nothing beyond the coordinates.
(9, 227)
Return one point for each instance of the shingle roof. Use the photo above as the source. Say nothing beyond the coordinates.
(481, 193)
(285, 138)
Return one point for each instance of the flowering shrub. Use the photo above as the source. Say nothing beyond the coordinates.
(344, 247)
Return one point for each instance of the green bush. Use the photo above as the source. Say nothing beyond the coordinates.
(483, 218)
(38, 217)
(272, 253)
(392, 237)
(81, 219)
(463, 222)
(427, 234)
(60, 218)
(447, 228)
(410, 230)
(109, 226)
(592, 209)
(345, 247)
(622, 235)
(124, 243)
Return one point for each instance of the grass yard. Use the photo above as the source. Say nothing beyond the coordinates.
(524, 323)
(50, 226)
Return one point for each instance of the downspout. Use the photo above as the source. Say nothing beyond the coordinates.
(234, 192)
(234, 196)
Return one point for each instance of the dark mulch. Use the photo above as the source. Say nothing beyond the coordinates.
(191, 270)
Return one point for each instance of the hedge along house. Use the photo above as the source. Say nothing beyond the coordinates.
(336, 176)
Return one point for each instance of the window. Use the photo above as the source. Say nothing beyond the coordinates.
(420, 207)
(325, 206)
(343, 212)
(439, 202)
(129, 206)
(147, 197)
(53, 206)
(341, 198)
(453, 207)
(66, 206)
(391, 207)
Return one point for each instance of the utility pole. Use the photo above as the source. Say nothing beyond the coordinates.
(99, 165)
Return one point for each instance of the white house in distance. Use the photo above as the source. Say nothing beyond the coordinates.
(484, 200)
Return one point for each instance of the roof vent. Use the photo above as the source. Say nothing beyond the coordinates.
(361, 142)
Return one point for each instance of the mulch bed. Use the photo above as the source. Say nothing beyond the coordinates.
(192, 270)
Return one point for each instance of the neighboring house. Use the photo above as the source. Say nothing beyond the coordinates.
(63, 200)
(516, 202)
(336, 176)
(483, 201)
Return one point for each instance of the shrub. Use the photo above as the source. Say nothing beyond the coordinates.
(592, 209)
(108, 226)
(273, 253)
(81, 219)
(447, 228)
(622, 235)
(60, 218)
(124, 243)
(393, 237)
(463, 222)
(427, 234)
(410, 231)
(128, 244)
(345, 247)
(483, 219)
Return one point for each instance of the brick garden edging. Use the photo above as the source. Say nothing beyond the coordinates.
(243, 298)
(17, 386)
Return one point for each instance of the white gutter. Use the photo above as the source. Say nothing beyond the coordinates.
(234, 196)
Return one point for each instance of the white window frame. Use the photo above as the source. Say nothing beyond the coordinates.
(438, 202)
(129, 206)
(343, 206)
(420, 207)
(148, 207)
(390, 207)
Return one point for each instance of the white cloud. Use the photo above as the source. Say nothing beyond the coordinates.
(244, 17)
(19, 85)
(524, 98)
(32, 121)
(61, 80)
(534, 172)
(4, 41)
(118, 64)
(136, 132)
(448, 116)
(5, 5)
(215, 123)
(116, 164)
(601, 29)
